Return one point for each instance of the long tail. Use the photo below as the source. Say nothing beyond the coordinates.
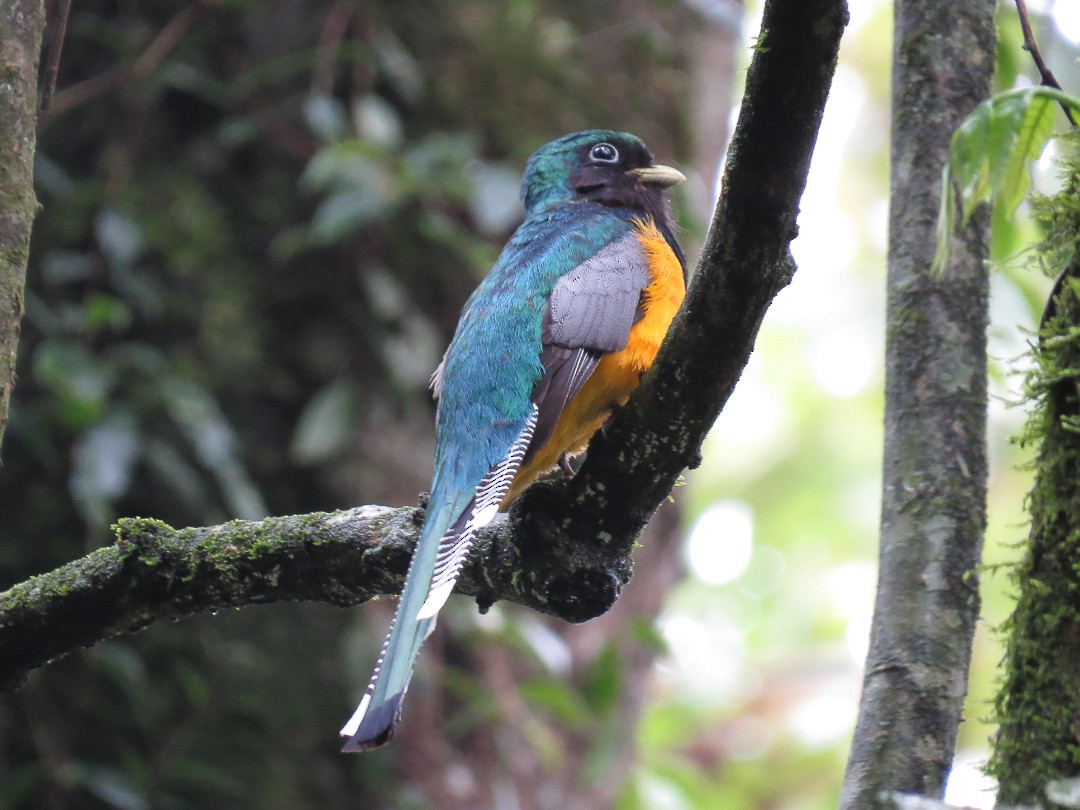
(453, 518)
(372, 724)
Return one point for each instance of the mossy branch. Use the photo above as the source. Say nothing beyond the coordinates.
(153, 572)
(565, 548)
(1038, 701)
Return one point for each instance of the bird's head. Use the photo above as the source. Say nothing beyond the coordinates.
(598, 165)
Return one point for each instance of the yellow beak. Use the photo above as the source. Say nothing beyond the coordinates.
(662, 176)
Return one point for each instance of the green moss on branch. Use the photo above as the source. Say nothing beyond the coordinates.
(1038, 705)
(153, 572)
(565, 547)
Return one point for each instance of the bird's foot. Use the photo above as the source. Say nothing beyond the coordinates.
(564, 465)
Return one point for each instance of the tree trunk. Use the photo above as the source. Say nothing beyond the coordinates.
(934, 488)
(1038, 707)
(21, 26)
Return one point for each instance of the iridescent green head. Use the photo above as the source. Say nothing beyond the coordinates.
(597, 165)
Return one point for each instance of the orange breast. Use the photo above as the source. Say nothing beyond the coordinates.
(619, 373)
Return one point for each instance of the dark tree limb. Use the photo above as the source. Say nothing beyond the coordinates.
(57, 31)
(565, 548)
(935, 468)
(154, 572)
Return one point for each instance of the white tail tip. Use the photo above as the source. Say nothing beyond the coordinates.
(485, 516)
(436, 599)
(351, 727)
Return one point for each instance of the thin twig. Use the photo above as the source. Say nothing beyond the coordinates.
(1047, 77)
(1048, 80)
(56, 44)
(335, 26)
(160, 47)
(167, 39)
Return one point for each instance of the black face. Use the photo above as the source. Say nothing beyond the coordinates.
(605, 175)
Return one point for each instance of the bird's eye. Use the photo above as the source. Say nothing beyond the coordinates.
(604, 153)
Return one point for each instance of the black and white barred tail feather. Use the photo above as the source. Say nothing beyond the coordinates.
(454, 546)
(432, 573)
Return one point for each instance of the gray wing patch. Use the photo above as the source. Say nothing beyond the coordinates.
(590, 313)
(595, 304)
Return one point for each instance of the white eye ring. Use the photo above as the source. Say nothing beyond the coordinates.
(604, 153)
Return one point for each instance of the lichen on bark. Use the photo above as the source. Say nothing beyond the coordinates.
(934, 471)
(21, 26)
(1038, 703)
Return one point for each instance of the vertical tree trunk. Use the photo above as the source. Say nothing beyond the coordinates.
(1039, 704)
(21, 25)
(934, 488)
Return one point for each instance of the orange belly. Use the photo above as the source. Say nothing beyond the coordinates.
(618, 373)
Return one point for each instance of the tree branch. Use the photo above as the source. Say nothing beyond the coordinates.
(58, 29)
(1046, 76)
(153, 572)
(565, 547)
(160, 47)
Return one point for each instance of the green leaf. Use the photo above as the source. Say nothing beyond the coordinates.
(968, 151)
(344, 165)
(989, 156)
(345, 213)
(557, 698)
(945, 222)
(198, 414)
(1000, 137)
(376, 120)
(119, 237)
(110, 786)
(604, 682)
(103, 460)
(1032, 135)
(326, 118)
(79, 380)
(326, 424)
(107, 312)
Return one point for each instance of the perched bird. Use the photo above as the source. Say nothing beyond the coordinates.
(557, 334)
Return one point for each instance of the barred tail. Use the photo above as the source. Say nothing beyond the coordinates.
(452, 521)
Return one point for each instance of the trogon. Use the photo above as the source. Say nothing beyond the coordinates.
(557, 335)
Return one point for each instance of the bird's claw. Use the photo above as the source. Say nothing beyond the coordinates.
(564, 465)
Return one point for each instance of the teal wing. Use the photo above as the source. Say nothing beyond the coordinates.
(486, 421)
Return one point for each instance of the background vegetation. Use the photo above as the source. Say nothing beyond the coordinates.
(260, 221)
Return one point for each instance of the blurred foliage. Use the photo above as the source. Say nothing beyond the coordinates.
(990, 156)
(259, 223)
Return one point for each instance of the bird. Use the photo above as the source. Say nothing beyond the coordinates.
(555, 337)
